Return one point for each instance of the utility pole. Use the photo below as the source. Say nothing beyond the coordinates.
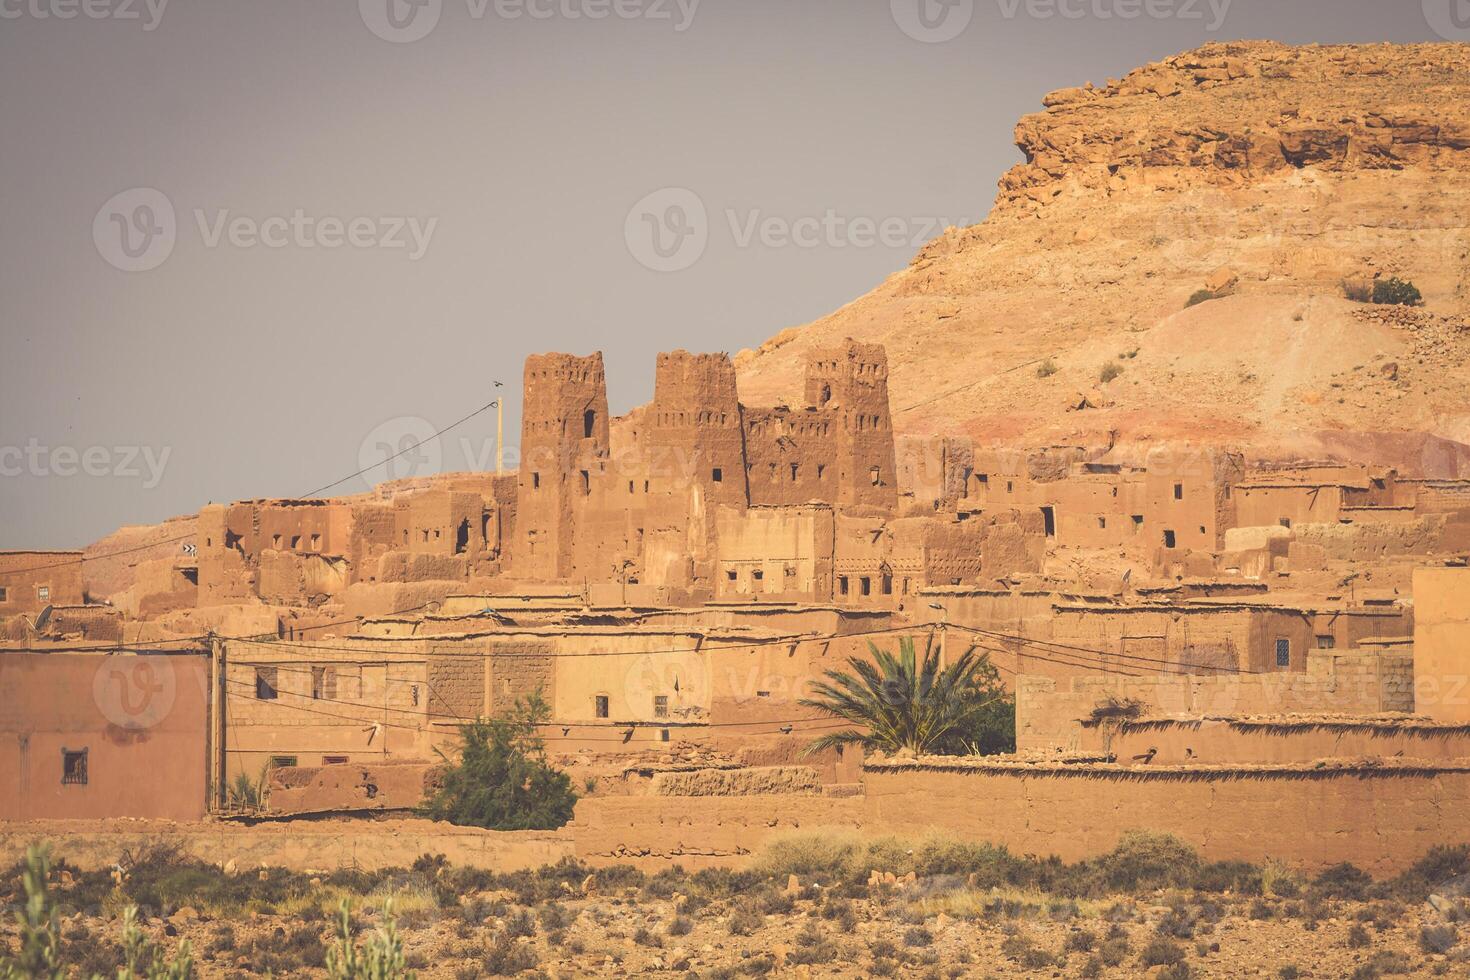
(220, 753)
(499, 431)
(943, 631)
(500, 437)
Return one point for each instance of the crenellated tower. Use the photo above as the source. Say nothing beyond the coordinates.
(564, 452)
(851, 382)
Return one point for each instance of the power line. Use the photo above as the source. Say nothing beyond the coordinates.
(185, 537)
(479, 411)
(1099, 653)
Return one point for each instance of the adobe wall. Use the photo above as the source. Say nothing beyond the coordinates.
(1052, 714)
(33, 580)
(1381, 820)
(1442, 643)
(1284, 740)
(300, 845)
(654, 832)
(780, 554)
(344, 787)
(141, 720)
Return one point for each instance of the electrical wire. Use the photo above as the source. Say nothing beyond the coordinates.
(185, 537)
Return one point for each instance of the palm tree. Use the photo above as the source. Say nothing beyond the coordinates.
(923, 708)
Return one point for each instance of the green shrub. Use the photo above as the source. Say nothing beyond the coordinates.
(1394, 291)
(1046, 369)
(1438, 939)
(1110, 371)
(1358, 938)
(1161, 951)
(1200, 296)
(1345, 882)
(379, 958)
(502, 780)
(1436, 867)
(1289, 972)
(1145, 860)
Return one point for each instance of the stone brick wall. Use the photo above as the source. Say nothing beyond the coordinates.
(457, 685)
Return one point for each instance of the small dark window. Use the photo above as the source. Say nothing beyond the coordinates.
(1286, 522)
(866, 585)
(1283, 653)
(842, 585)
(1138, 520)
(663, 735)
(535, 481)
(821, 470)
(1326, 643)
(795, 471)
(1049, 520)
(983, 479)
(316, 542)
(888, 585)
(762, 694)
(324, 683)
(74, 767)
(586, 482)
(43, 592)
(265, 684)
(295, 542)
(1169, 539)
(876, 475)
(1102, 522)
(334, 760)
(1178, 491)
(283, 762)
(589, 423)
(717, 475)
(661, 706)
(4, 595)
(602, 707)
(732, 575)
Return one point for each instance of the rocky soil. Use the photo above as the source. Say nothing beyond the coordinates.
(910, 932)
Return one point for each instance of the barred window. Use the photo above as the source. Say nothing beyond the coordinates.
(74, 767)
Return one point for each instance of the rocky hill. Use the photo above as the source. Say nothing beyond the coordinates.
(1265, 174)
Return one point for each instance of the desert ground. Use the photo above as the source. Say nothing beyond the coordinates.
(810, 905)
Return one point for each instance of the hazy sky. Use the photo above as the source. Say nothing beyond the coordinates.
(244, 244)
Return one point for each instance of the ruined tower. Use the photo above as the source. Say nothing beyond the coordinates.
(851, 382)
(695, 439)
(564, 451)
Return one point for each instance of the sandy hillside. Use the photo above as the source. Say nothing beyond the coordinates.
(1266, 172)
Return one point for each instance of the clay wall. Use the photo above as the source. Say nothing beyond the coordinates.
(103, 735)
(934, 473)
(1380, 820)
(312, 703)
(1057, 715)
(791, 456)
(32, 580)
(1286, 741)
(1088, 635)
(302, 845)
(1442, 643)
(781, 554)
